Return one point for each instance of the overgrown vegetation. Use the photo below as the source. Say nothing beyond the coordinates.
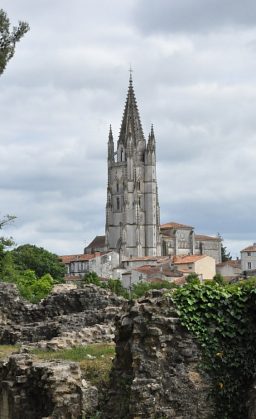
(139, 289)
(222, 317)
(39, 260)
(32, 288)
(115, 285)
(33, 269)
(95, 359)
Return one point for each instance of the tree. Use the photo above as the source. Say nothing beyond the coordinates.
(39, 260)
(8, 39)
(225, 255)
(5, 241)
(140, 288)
(192, 278)
(92, 278)
(8, 273)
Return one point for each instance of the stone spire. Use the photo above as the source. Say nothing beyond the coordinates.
(110, 135)
(131, 125)
(151, 140)
(110, 145)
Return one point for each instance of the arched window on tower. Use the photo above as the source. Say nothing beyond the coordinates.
(118, 203)
(122, 155)
(117, 186)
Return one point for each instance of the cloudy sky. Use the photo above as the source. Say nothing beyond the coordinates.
(194, 75)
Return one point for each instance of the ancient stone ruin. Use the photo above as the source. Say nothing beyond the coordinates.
(76, 317)
(34, 390)
(156, 370)
(155, 375)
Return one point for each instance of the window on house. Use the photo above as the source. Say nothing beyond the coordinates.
(248, 253)
(249, 265)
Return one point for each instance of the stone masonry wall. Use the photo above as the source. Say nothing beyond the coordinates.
(156, 370)
(78, 315)
(31, 389)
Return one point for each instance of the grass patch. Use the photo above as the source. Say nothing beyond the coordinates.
(95, 360)
(6, 350)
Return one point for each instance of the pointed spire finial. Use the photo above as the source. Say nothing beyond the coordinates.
(130, 71)
(151, 139)
(110, 135)
(131, 118)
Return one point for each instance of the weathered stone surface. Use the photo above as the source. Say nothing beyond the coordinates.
(99, 333)
(155, 373)
(44, 390)
(67, 315)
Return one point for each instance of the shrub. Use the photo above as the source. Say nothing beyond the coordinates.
(33, 289)
(140, 288)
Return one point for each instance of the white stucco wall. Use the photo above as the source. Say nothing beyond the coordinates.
(248, 261)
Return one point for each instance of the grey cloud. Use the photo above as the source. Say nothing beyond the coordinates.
(193, 16)
(65, 86)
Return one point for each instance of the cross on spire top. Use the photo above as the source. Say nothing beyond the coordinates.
(130, 71)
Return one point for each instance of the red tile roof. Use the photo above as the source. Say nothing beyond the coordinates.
(249, 249)
(177, 260)
(163, 270)
(202, 237)
(175, 225)
(148, 269)
(233, 263)
(98, 241)
(76, 258)
(141, 258)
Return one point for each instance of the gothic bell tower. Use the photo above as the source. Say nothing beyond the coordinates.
(132, 210)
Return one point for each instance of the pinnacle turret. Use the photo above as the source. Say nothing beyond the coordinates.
(110, 135)
(151, 140)
(110, 145)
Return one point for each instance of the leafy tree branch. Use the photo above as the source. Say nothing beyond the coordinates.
(8, 38)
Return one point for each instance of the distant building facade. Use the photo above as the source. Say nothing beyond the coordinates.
(230, 269)
(204, 266)
(248, 258)
(180, 239)
(79, 265)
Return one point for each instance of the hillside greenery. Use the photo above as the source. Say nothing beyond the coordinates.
(33, 269)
